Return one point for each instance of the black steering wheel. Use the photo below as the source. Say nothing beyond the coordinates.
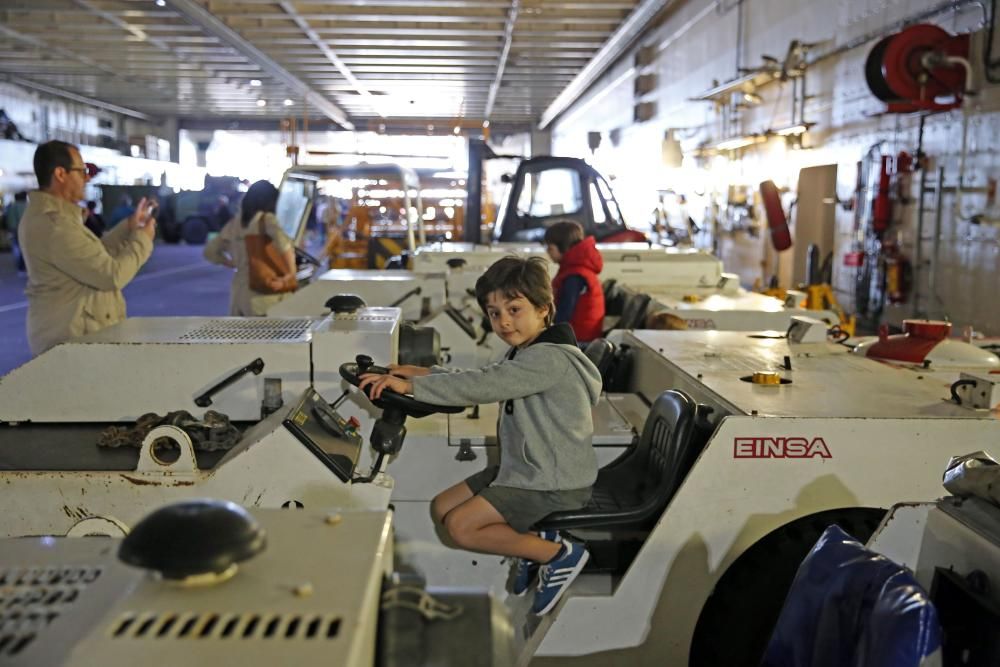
(352, 372)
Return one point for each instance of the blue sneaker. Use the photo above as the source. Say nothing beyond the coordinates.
(525, 570)
(556, 576)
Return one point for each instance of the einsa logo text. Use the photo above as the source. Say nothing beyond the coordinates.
(780, 448)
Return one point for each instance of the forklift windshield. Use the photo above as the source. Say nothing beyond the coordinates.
(294, 204)
(546, 190)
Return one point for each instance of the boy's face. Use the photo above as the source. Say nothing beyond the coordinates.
(516, 321)
(553, 252)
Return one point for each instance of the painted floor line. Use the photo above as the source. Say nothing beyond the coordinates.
(167, 272)
(141, 277)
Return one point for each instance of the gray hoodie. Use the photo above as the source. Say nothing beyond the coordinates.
(545, 427)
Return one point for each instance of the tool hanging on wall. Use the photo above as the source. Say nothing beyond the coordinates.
(917, 68)
(883, 271)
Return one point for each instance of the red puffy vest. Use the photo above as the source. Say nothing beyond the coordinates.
(584, 260)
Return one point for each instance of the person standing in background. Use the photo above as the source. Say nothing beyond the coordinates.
(122, 211)
(11, 219)
(93, 220)
(229, 248)
(75, 280)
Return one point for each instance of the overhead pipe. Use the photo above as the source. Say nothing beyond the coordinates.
(508, 39)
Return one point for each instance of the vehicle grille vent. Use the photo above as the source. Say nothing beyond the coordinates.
(251, 330)
(33, 597)
(224, 626)
(354, 317)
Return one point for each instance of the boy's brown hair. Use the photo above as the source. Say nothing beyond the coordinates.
(518, 276)
(564, 235)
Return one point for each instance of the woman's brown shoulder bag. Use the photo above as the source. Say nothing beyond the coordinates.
(266, 263)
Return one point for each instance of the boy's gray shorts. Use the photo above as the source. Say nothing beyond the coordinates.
(523, 508)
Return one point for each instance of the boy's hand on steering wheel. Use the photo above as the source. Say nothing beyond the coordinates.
(378, 383)
(408, 371)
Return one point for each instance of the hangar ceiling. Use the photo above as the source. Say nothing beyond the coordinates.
(362, 63)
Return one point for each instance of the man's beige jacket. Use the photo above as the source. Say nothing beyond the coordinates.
(74, 278)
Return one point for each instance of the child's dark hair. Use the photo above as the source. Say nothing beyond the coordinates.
(564, 235)
(518, 276)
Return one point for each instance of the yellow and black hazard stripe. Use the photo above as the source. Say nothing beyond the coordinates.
(383, 248)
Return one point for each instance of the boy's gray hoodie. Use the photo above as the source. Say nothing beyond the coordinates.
(545, 427)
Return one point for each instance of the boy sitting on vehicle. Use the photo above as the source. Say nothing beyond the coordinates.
(546, 387)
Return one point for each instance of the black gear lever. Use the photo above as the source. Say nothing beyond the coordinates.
(367, 365)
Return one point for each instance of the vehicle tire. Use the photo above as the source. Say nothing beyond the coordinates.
(736, 622)
(170, 231)
(195, 230)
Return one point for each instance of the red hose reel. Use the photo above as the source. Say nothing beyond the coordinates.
(908, 70)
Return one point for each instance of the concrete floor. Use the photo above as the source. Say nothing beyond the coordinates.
(175, 281)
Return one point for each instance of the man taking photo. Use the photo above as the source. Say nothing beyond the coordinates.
(74, 278)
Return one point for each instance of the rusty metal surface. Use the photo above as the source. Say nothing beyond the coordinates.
(71, 447)
(212, 432)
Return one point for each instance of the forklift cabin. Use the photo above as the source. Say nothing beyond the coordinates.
(373, 229)
(550, 189)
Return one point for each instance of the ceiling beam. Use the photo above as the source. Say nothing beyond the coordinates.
(629, 31)
(198, 15)
(78, 58)
(344, 70)
(59, 92)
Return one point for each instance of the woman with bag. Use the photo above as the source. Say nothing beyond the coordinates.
(254, 244)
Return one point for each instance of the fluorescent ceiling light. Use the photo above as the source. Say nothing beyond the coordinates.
(740, 142)
(801, 128)
(288, 103)
(262, 103)
(255, 83)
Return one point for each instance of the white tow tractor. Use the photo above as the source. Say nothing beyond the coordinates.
(439, 291)
(953, 548)
(100, 429)
(921, 592)
(206, 582)
(722, 306)
(750, 446)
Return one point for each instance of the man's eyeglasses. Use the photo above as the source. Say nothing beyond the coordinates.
(89, 168)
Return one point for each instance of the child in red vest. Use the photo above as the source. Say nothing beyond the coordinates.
(577, 288)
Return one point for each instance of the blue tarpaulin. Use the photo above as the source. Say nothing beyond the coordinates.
(851, 607)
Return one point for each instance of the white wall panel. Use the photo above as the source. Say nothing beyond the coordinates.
(697, 49)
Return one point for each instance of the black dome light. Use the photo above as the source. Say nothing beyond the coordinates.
(196, 541)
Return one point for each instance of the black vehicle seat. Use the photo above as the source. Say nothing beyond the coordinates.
(633, 312)
(601, 353)
(632, 491)
(614, 298)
